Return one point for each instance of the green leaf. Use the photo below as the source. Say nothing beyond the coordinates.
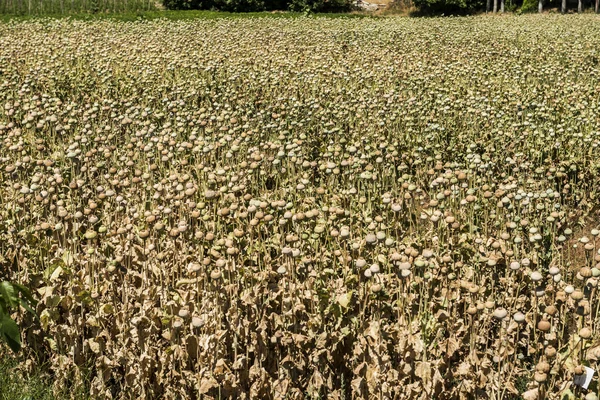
(9, 331)
(7, 293)
(26, 306)
(25, 292)
(53, 301)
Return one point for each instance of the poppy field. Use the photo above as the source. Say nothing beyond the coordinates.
(305, 208)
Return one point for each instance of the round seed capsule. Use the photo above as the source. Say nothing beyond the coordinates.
(371, 239)
(404, 266)
(376, 288)
(569, 289)
(540, 377)
(585, 333)
(577, 295)
(197, 322)
(585, 272)
(589, 246)
(177, 324)
(536, 276)
(542, 367)
(544, 325)
(591, 396)
(551, 310)
(519, 316)
(550, 351)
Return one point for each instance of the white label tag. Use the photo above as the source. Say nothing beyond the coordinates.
(585, 379)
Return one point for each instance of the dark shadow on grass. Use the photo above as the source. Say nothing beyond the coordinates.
(445, 13)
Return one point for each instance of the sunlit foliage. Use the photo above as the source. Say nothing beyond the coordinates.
(390, 208)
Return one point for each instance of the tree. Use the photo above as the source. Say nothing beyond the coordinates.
(529, 6)
(540, 6)
(563, 6)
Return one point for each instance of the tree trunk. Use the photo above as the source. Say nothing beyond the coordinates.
(540, 6)
(495, 6)
(488, 6)
(502, 6)
(579, 7)
(563, 6)
(597, 6)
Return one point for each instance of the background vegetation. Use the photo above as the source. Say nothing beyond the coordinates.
(68, 7)
(77, 7)
(151, 8)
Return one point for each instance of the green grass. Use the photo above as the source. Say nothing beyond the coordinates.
(177, 15)
(15, 385)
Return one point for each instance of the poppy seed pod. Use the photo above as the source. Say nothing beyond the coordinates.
(544, 325)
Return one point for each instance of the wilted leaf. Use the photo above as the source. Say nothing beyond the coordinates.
(358, 386)
(345, 299)
(56, 274)
(94, 346)
(423, 371)
(67, 258)
(206, 384)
